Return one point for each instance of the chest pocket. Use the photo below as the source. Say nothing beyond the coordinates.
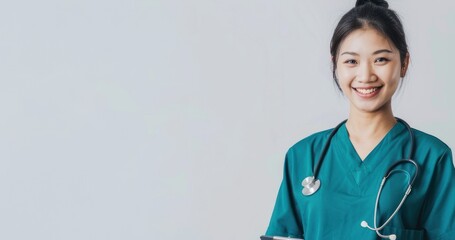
(404, 234)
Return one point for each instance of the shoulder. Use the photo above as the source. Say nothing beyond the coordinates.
(302, 154)
(428, 141)
(429, 147)
(313, 141)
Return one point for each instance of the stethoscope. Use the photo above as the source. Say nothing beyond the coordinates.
(311, 184)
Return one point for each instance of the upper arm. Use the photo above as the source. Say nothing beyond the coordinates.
(285, 219)
(439, 211)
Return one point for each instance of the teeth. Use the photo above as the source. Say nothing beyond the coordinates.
(366, 91)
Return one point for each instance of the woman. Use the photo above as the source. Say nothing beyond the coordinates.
(370, 56)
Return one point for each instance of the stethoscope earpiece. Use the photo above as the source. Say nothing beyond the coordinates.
(364, 224)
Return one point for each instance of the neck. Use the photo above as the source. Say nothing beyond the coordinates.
(363, 125)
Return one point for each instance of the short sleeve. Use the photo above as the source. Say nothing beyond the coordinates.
(439, 211)
(285, 219)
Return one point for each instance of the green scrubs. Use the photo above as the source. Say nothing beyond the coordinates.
(349, 187)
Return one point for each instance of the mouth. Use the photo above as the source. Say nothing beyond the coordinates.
(367, 92)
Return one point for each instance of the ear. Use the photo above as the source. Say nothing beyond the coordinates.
(404, 68)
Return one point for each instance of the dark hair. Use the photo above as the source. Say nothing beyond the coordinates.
(373, 14)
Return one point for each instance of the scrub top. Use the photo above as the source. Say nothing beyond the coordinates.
(349, 187)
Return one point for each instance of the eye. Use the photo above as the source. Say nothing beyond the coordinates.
(381, 60)
(350, 61)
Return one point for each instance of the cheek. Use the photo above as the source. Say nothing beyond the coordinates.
(344, 80)
(344, 76)
(390, 76)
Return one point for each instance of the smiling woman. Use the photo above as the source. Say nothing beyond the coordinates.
(346, 188)
(369, 70)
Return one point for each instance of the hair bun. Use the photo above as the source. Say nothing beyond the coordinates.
(381, 3)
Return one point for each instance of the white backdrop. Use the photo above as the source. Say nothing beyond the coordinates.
(154, 119)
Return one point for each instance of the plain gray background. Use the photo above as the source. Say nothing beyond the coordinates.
(170, 119)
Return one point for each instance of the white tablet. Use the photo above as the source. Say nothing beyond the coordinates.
(278, 238)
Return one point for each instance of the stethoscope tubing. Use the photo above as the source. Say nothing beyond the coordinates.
(389, 170)
(324, 150)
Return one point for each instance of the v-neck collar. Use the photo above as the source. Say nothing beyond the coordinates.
(391, 134)
(358, 169)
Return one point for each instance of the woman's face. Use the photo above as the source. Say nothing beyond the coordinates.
(368, 70)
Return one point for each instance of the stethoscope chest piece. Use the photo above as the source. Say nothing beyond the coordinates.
(310, 185)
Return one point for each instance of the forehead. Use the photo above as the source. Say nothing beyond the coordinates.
(366, 40)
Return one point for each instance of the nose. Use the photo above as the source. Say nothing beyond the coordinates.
(366, 74)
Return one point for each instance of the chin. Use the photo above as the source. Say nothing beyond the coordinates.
(372, 108)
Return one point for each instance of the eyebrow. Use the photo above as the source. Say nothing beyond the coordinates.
(376, 52)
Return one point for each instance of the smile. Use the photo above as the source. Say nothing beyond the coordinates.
(367, 91)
